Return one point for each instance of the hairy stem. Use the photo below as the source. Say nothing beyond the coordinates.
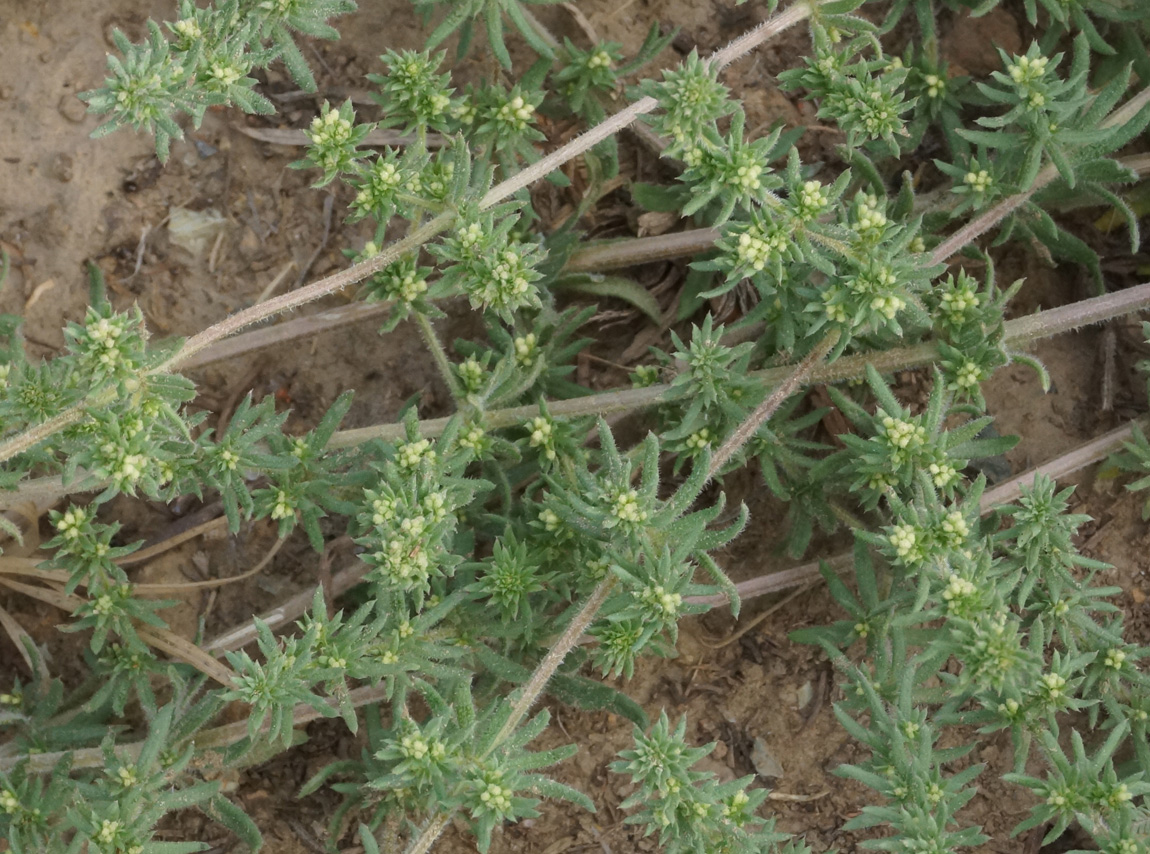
(593, 256)
(431, 832)
(1078, 458)
(990, 218)
(769, 406)
(215, 738)
(611, 126)
(310, 293)
(1084, 455)
(440, 355)
(526, 696)
(35, 435)
(1018, 333)
(419, 236)
(1024, 331)
(768, 29)
(600, 255)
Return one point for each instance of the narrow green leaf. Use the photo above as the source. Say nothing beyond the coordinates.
(616, 287)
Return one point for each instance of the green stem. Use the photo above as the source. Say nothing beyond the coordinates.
(542, 31)
(440, 355)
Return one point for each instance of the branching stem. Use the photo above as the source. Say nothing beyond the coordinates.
(1018, 333)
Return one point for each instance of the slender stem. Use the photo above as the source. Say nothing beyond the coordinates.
(768, 29)
(768, 407)
(1073, 460)
(217, 737)
(310, 293)
(1017, 333)
(431, 832)
(987, 220)
(1026, 330)
(593, 256)
(541, 30)
(631, 252)
(245, 633)
(526, 696)
(440, 355)
(1078, 458)
(584, 142)
(270, 336)
(608, 128)
(1128, 110)
(355, 273)
(33, 436)
(1084, 455)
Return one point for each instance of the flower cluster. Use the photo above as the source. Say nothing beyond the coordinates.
(691, 810)
(492, 267)
(110, 345)
(335, 138)
(496, 537)
(413, 95)
(692, 98)
(209, 62)
(866, 98)
(901, 450)
(588, 73)
(504, 122)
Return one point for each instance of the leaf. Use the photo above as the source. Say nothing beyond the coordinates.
(595, 696)
(370, 846)
(696, 288)
(557, 791)
(657, 198)
(236, 820)
(616, 287)
(502, 666)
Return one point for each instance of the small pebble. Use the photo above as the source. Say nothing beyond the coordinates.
(72, 108)
(61, 167)
(805, 694)
(766, 766)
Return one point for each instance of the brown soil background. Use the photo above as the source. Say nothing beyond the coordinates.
(66, 199)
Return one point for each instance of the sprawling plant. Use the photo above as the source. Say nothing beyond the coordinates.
(513, 549)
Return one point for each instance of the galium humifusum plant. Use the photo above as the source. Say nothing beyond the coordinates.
(496, 539)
